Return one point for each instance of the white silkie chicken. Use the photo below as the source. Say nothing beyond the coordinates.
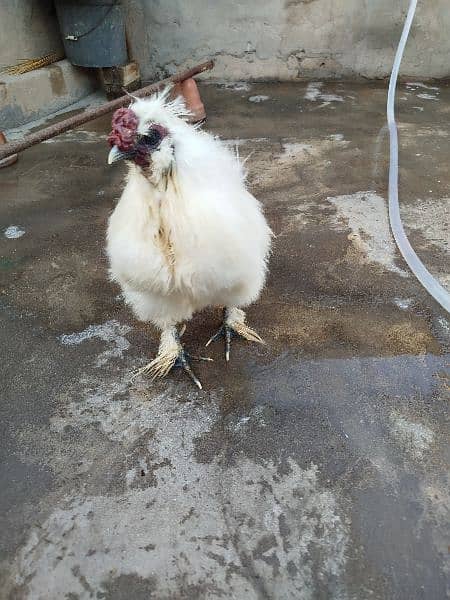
(186, 233)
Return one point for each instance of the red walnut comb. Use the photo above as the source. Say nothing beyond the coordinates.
(124, 127)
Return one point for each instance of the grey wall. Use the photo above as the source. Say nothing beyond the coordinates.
(28, 29)
(288, 39)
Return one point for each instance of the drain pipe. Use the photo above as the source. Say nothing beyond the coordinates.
(432, 286)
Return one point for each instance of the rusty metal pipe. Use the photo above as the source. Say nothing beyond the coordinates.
(94, 113)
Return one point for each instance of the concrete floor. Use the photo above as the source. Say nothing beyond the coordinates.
(313, 468)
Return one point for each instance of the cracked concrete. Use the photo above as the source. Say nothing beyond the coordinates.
(314, 467)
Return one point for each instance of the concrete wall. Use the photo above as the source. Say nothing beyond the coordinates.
(28, 29)
(288, 39)
(41, 92)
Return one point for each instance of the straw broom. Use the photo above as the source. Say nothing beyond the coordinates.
(30, 64)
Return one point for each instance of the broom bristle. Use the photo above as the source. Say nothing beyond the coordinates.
(30, 64)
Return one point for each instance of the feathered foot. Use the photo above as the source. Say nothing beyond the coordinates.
(234, 324)
(170, 354)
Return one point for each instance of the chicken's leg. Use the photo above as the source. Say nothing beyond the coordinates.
(170, 354)
(234, 324)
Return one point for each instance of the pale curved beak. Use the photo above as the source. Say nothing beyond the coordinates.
(115, 154)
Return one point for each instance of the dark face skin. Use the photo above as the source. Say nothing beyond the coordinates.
(128, 144)
(146, 144)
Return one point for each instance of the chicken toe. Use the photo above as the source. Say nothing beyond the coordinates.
(170, 354)
(234, 324)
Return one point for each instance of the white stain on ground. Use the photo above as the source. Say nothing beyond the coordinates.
(337, 137)
(430, 218)
(103, 405)
(259, 98)
(242, 422)
(294, 150)
(365, 214)
(112, 332)
(130, 476)
(444, 324)
(119, 416)
(238, 86)
(277, 517)
(426, 96)
(420, 84)
(277, 165)
(403, 303)
(442, 328)
(314, 93)
(415, 438)
(13, 232)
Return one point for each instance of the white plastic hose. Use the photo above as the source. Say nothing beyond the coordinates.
(415, 264)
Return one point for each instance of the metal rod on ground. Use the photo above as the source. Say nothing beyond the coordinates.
(94, 113)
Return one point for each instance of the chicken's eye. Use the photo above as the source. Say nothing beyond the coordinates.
(152, 138)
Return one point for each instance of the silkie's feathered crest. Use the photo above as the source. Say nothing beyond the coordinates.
(159, 109)
(127, 123)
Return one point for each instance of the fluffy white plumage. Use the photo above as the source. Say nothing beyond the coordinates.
(186, 233)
